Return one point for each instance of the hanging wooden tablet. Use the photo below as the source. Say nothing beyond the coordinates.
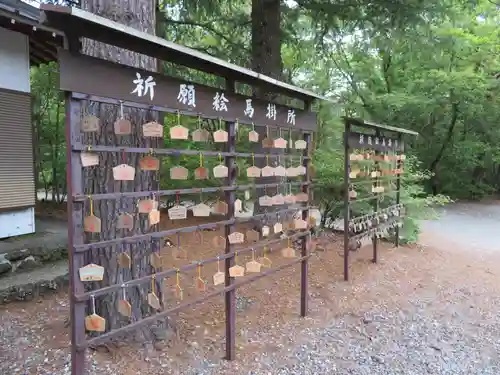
(300, 170)
(253, 266)
(252, 235)
(154, 216)
(179, 173)
(95, 323)
(177, 212)
(89, 124)
(124, 307)
(200, 135)
(353, 174)
(289, 251)
(218, 277)
(145, 206)
(302, 197)
(201, 209)
(89, 159)
(236, 238)
(149, 163)
(221, 208)
(264, 260)
(253, 172)
(179, 132)
(280, 143)
(352, 194)
(155, 260)
(219, 241)
(289, 198)
(220, 171)
(201, 173)
(265, 201)
(300, 224)
(300, 144)
(125, 221)
(267, 143)
(152, 129)
(353, 157)
(91, 272)
(179, 253)
(221, 136)
(253, 136)
(238, 205)
(122, 127)
(92, 224)
(278, 199)
(124, 172)
(280, 171)
(236, 270)
(291, 172)
(278, 227)
(267, 171)
(124, 260)
(153, 299)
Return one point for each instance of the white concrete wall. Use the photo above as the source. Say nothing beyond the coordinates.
(15, 75)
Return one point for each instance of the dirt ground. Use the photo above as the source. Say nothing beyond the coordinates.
(34, 338)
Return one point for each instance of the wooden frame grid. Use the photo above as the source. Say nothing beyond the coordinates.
(78, 198)
(376, 139)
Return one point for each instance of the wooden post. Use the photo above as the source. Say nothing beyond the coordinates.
(230, 296)
(347, 130)
(377, 203)
(398, 188)
(304, 266)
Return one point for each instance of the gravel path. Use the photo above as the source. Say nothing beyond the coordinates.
(431, 309)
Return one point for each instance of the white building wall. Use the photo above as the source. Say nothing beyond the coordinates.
(15, 75)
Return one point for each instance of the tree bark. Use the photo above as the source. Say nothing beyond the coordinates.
(266, 59)
(139, 14)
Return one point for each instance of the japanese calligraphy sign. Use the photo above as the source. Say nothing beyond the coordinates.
(97, 77)
(371, 142)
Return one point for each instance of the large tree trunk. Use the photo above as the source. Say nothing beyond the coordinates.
(266, 59)
(139, 14)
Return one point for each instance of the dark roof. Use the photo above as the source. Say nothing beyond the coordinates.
(89, 25)
(18, 16)
(372, 125)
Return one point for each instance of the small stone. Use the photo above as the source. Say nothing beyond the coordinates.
(5, 265)
(28, 263)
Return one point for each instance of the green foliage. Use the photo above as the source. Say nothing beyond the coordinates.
(423, 65)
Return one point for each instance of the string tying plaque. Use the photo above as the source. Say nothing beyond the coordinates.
(200, 283)
(179, 292)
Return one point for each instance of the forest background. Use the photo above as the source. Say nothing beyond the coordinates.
(430, 66)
